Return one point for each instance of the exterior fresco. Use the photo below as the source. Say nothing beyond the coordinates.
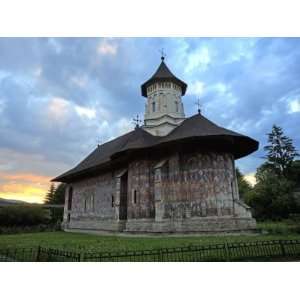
(181, 187)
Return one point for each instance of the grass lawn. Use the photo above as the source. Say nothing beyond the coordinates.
(78, 241)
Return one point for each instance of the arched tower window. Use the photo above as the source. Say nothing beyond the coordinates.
(176, 105)
(153, 107)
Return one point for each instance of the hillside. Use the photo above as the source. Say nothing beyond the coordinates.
(11, 202)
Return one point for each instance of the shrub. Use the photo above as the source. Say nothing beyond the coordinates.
(30, 229)
(23, 216)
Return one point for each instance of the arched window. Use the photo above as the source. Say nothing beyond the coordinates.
(177, 107)
(70, 198)
(153, 107)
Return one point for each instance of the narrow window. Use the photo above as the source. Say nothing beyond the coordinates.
(153, 106)
(70, 198)
(134, 197)
(176, 104)
(85, 206)
(92, 202)
(112, 201)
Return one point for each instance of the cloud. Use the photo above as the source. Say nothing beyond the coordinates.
(250, 178)
(24, 192)
(294, 106)
(106, 47)
(58, 110)
(60, 96)
(200, 60)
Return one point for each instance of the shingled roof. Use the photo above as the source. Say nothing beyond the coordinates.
(196, 128)
(163, 74)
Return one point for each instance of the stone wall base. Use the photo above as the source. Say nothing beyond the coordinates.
(192, 225)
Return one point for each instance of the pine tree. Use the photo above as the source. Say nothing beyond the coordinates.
(59, 194)
(49, 198)
(280, 151)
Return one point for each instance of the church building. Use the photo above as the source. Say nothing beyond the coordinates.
(173, 174)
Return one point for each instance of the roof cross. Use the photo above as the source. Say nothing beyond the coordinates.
(137, 121)
(163, 54)
(198, 105)
(99, 142)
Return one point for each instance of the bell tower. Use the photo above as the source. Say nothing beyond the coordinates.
(164, 108)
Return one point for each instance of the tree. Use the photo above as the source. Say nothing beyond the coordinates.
(244, 185)
(272, 197)
(294, 172)
(59, 194)
(280, 151)
(49, 198)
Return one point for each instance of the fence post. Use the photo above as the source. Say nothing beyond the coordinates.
(227, 255)
(49, 254)
(161, 254)
(38, 253)
(282, 248)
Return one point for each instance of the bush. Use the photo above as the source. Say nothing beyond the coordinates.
(284, 227)
(21, 216)
(272, 199)
(30, 229)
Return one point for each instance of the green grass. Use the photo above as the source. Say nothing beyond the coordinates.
(77, 241)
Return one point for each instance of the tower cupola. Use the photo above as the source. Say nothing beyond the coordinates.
(164, 109)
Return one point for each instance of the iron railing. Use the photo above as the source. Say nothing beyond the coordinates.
(242, 251)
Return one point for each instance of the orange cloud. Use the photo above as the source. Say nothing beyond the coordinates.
(26, 177)
(23, 192)
(24, 186)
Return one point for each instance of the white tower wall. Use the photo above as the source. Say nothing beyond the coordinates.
(164, 108)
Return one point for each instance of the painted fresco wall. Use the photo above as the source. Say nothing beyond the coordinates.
(198, 185)
(141, 189)
(92, 198)
(185, 186)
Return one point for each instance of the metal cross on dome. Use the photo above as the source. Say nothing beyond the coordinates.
(163, 54)
(198, 105)
(137, 121)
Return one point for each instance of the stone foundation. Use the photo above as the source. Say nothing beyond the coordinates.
(192, 225)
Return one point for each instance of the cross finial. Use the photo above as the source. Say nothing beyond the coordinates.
(99, 142)
(137, 121)
(198, 105)
(163, 54)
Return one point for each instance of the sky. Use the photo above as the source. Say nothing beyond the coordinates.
(60, 97)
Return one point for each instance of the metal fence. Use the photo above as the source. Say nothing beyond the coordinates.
(250, 251)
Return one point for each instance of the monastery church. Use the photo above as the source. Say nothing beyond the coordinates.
(173, 174)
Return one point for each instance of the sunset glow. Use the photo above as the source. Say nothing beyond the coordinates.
(26, 187)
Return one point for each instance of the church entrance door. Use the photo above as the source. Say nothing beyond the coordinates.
(123, 197)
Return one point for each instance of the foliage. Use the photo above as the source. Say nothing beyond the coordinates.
(280, 151)
(56, 214)
(49, 198)
(294, 172)
(23, 216)
(56, 195)
(282, 227)
(29, 229)
(244, 185)
(272, 197)
(59, 195)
